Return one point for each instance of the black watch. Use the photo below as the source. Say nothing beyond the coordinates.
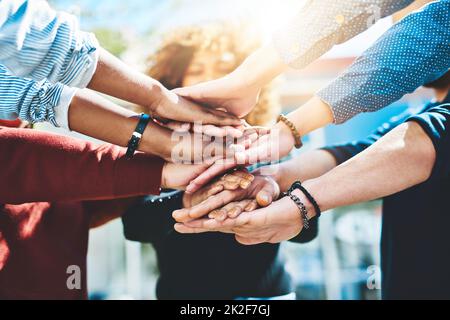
(136, 138)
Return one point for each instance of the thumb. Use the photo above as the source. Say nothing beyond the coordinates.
(264, 198)
(192, 92)
(268, 193)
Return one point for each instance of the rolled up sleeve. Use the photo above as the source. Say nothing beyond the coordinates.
(34, 101)
(436, 124)
(39, 43)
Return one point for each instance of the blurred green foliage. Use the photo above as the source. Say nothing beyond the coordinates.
(111, 40)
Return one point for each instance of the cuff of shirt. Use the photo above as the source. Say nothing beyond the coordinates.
(342, 106)
(435, 124)
(62, 108)
(84, 64)
(339, 154)
(143, 174)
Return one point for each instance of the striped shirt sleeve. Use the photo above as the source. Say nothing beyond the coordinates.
(34, 101)
(39, 43)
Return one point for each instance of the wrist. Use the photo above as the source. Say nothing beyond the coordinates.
(308, 205)
(157, 96)
(286, 137)
(157, 141)
(313, 115)
(164, 174)
(279, 176)
(315, 188)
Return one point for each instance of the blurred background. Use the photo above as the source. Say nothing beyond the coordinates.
(335, 266)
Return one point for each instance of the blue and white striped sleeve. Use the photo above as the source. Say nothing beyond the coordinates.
(39, 43)
(34, 101)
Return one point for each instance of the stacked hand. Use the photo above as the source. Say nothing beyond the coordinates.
(192, 133)
(231, 206)
(237, 94)
(267, 145)
(234, 193)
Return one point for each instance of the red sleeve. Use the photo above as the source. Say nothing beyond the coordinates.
(43, 167)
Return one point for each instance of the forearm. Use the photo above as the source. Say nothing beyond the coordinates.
(43, 167)
(402, 159)
(308, 165)
(261, 67)
(311, 116)
(97, 117)
(113, 77)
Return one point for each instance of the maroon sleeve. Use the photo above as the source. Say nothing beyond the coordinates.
(43, 167)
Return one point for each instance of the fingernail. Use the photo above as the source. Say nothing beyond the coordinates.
(245, 184)
(221, 217)
(250, 178)
(213, 214)
(265, 198)
(233, 213)
(215, 190)
(231, 185)
(177, 215)
(189, 189)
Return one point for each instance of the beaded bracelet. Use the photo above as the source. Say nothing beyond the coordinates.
(291, 126)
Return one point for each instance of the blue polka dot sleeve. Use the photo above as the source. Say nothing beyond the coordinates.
(412, 53)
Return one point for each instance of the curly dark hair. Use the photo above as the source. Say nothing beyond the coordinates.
(171, 61)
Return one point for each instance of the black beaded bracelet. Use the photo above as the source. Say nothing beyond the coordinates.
(298, 186)
(135, 140)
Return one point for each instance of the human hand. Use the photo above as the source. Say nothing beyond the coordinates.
(281, 221)
(239, 91)
(268, 147)
(271, 145)
(170, 106)
(205, 129)
(177, 176)
(240, 178)
(190, 147)
(242, 194)
(230, 93)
